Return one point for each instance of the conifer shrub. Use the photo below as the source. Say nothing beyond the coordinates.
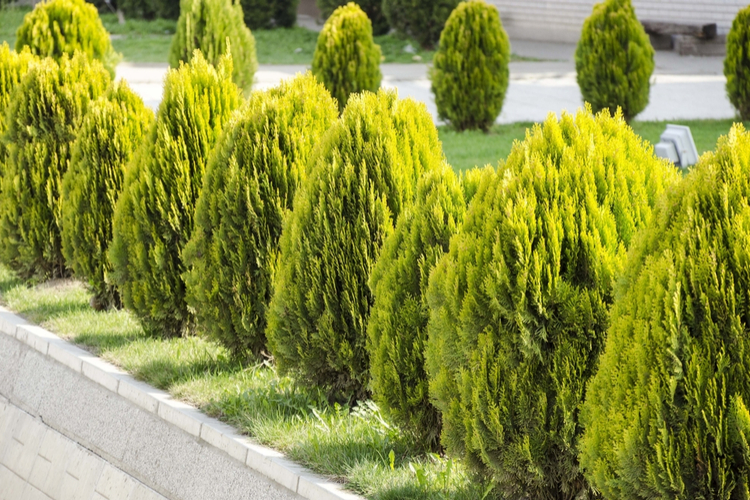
(373, 9)
(421, 19)
(737, 63)
(149, 9)
(397, 328)
(470, 68)
(59, 27)
(614, 59)
(363, 174)
(263, 14)
(519, 304)
(154, 214)
(110, 134)
(346, 58)
(216, 28)
(249, 186)
(666, 413)
(44, 117)
(13, 67)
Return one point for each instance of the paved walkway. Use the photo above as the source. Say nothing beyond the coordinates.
(683, 87)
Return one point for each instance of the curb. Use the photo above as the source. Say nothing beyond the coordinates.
(265, 461)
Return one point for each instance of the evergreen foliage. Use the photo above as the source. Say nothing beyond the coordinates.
(666, 414)
(149, 9)
(373, 9)
(62, 27)
(363, 174)
(470, 69)
(249, 186)
(397, 328)
(110, 134)
(519, 305)
(216, 28)
(737, 63)
(43, 120)
(154, 214)
(13, 67)
(423, 20)
(614, 59)
(262, 14)
(346, 59)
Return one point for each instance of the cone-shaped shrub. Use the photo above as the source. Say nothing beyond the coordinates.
(346, 59)
(43, 119)
(737, 63)
(363, 174)
(397, 328)
(614, 59)
(215, 27)
(154, 215)
(422, 19)
(110, 135)
(519, 305)
(249, 185)
(262, 14)
(470, 69)
(13, 67)
(373, 9)
(59, 27)
(666, 413)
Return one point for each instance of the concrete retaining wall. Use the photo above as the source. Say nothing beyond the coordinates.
(561, 20)
(75, 427)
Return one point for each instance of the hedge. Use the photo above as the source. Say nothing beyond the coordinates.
(110, 134)
(346, 59)
(216, 28)
(154, 214)
(519, 305)
(470, 68)
(44, 117)
(614, 59)
(666, 413)
(61, 27)
(250, 182)
(423, 20)
(363, 174)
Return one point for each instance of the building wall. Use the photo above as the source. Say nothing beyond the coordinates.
(561, 20)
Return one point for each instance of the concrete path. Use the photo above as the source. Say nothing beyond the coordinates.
(683, 87)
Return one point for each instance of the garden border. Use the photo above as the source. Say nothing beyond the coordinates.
(265, 461)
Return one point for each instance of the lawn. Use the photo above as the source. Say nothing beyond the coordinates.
(465, 150)
(358, 446)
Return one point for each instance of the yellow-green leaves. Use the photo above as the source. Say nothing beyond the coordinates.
(58, 27)
(470, 69)
(346, 59)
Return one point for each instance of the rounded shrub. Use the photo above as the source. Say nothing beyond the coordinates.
(149, 9)
(216, 28)
(346, 59)
(261, 14)
(666, 413)
(614, 59)
(470, 68)
(154, 214)
(110, 134)
(737, 63)
(373, 9)
(44, 117)
(421, 19)
(13, 67)
(519, 305)
(397, 327)
(62, 27)
(249, 186)
(363, 174)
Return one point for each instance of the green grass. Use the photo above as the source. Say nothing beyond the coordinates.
(351, 445)
(465, 150)
(10, 20)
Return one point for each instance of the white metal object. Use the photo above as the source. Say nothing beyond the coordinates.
(676, 144)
